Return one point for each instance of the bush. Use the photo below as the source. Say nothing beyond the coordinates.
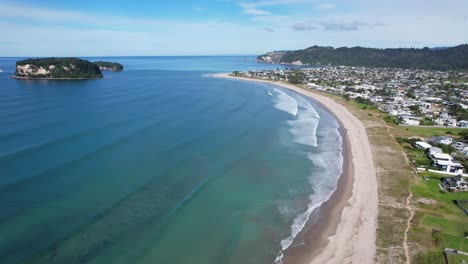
(391, 120)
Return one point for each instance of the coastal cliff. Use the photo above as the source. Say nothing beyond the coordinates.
(109, 66)
(56, 68)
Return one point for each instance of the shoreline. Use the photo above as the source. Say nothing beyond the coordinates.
(345, 230)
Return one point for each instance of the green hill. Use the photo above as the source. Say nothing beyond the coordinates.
(426, 58)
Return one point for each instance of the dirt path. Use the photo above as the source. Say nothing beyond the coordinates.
(408, 207)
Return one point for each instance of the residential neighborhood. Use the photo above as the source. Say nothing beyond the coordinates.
(410, 97)
(416, 97)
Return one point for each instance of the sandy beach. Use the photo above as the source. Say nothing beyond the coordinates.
(348, 234)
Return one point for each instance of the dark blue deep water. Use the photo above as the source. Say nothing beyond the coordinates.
(159, 163)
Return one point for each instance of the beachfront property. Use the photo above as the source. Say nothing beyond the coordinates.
(442, 140)
(422, 145)
(455, 184)
(444, 162)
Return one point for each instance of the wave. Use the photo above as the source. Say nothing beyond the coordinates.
(304, 128)
(285, 103)
(328, 167)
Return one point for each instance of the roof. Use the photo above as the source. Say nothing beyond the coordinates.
(435, 149)
(423, 144)
(458, 165)
(442, 156)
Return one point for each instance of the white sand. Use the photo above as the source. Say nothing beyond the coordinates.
(354, 241)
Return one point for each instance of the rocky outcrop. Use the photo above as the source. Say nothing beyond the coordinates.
(109, 66)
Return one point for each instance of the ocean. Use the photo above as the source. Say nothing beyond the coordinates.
(160, 163)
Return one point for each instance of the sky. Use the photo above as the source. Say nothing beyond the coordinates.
(223, 27)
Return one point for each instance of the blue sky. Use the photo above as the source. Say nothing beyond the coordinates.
(217, 27)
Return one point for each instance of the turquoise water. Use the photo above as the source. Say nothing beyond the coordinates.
(159, 163)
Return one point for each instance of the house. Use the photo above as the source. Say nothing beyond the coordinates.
(442, 140)
(444, 162)
(455, 184)
(410, 122)
(460, 146)
(422, 145)
(463, 123)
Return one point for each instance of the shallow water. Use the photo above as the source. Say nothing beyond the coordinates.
(159, 164)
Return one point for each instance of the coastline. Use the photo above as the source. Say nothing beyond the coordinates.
(346, 228)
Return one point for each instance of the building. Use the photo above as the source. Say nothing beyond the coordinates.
(442, 140)
(444, 162)
(422, 145)
(431, 151)
(455, 184)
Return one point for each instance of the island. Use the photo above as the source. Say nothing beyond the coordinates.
(451, 58)
(109, 66)
(57, 68)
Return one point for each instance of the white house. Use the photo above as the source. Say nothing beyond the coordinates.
(433, 150)
(410, 122)
(442, 140)
(445, 163)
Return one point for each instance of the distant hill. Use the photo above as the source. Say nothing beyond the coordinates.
(57, 68)
(440, 58)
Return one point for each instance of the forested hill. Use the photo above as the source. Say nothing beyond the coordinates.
(57, 68)
(426, 58)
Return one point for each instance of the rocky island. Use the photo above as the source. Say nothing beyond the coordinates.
(62, 69)
(109, 66)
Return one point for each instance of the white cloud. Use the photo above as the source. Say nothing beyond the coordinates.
(37, 31)
(257, 8)
(303, 27)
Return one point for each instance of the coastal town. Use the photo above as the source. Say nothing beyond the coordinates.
(418, 125)
(409, 97)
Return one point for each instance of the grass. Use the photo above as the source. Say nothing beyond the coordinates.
(427, 132)
(441, 214)
(456, 259)
(450, 227)
(445, 200)
(418, 156)
(361, 105)
(396, 179)
(456, 242)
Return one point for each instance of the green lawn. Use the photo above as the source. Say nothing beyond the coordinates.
(428, 132)
(452, 227)
(445, 200)
(456, 242)
(441, 214)
(456, 259)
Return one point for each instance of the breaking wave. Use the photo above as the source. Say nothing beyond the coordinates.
(285, 102)
(326, 157)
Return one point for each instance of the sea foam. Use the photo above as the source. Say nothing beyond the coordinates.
(285, 102)
(304, 127)
(327, 160)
